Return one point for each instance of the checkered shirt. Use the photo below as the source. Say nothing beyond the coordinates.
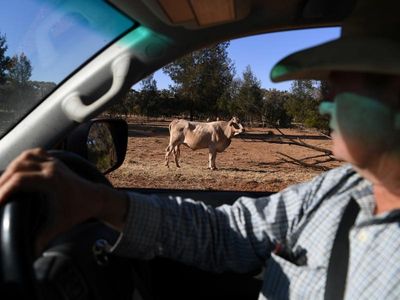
(288, 234)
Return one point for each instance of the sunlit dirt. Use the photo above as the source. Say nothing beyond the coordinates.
(251, 163)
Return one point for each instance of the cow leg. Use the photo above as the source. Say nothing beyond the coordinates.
(211, 157)
(167, 154)
(177, 153)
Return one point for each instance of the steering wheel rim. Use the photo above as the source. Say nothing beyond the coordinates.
(16, 239)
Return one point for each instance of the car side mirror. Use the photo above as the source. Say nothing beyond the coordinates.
(102, 142)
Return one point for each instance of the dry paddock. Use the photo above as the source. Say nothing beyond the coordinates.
(255, 161)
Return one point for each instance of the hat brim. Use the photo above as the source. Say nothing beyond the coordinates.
(357, 54)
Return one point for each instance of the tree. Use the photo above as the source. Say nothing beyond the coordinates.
(273, 108)
(4, 59)
(249, 97)
(18, 91)
(324, 90)
(324, 95)
(125, 106)
(202, 78)
(228, 104)
(306, 95)
(302, 105)
(302, 93)
(21, 70)
(4, 66)
(149, 97)
(170, 104)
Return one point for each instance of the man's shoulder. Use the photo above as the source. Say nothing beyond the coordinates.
(332, 184)
(345, 175)
(342, 171)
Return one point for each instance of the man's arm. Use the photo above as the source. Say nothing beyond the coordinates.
(237, 238)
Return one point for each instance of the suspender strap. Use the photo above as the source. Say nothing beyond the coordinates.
(338, 262)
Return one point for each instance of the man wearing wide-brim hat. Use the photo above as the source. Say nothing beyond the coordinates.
(337, 236)
(363, 69)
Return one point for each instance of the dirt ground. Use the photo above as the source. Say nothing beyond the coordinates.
(254, 161)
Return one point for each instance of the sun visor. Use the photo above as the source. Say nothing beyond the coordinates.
(197, 14)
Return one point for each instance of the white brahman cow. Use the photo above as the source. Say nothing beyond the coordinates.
(216, 136)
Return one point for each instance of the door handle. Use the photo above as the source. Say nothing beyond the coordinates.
(77, 111)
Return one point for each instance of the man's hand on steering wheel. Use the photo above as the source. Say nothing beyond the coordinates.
(72, 199)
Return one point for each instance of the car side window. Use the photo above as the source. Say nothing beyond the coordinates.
(210, 121)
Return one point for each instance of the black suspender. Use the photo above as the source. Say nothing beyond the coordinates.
(338, 262)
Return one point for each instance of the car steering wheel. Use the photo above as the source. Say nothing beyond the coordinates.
(76, 265)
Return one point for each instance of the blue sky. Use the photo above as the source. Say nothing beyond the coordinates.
(259, 52)
(58, 36)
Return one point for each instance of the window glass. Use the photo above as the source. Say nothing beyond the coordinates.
(285, 141)
(43, 42)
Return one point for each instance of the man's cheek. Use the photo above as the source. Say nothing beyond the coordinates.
(339, 148)
(350, 150)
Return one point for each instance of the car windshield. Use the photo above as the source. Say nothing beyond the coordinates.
(44, 42)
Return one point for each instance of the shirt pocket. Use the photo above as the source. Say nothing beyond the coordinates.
(284, 279)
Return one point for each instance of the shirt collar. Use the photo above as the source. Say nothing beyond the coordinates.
(364, 196)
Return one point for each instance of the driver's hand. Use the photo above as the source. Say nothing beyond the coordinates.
(72, 199)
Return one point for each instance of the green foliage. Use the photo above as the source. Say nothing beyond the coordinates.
(247, 97)
(20, 70)
(5, 61)
(301, 102)
(170, 104)
(202, 78)
(229, 104)
(302, 105)
(204, 87)
(124, 106)
(17, 92)
(101, 150)
(324, 90)
(274, 111)
(149, 97)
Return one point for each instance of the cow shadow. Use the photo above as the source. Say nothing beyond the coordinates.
(235, 169)
(145, 130)
(266, 136)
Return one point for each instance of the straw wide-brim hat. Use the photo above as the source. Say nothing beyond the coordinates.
(369, 42)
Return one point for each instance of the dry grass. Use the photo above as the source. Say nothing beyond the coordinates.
(251, 163)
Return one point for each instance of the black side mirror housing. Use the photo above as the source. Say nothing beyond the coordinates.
(102, 142)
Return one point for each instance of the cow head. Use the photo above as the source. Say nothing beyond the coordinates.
(235, 125)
